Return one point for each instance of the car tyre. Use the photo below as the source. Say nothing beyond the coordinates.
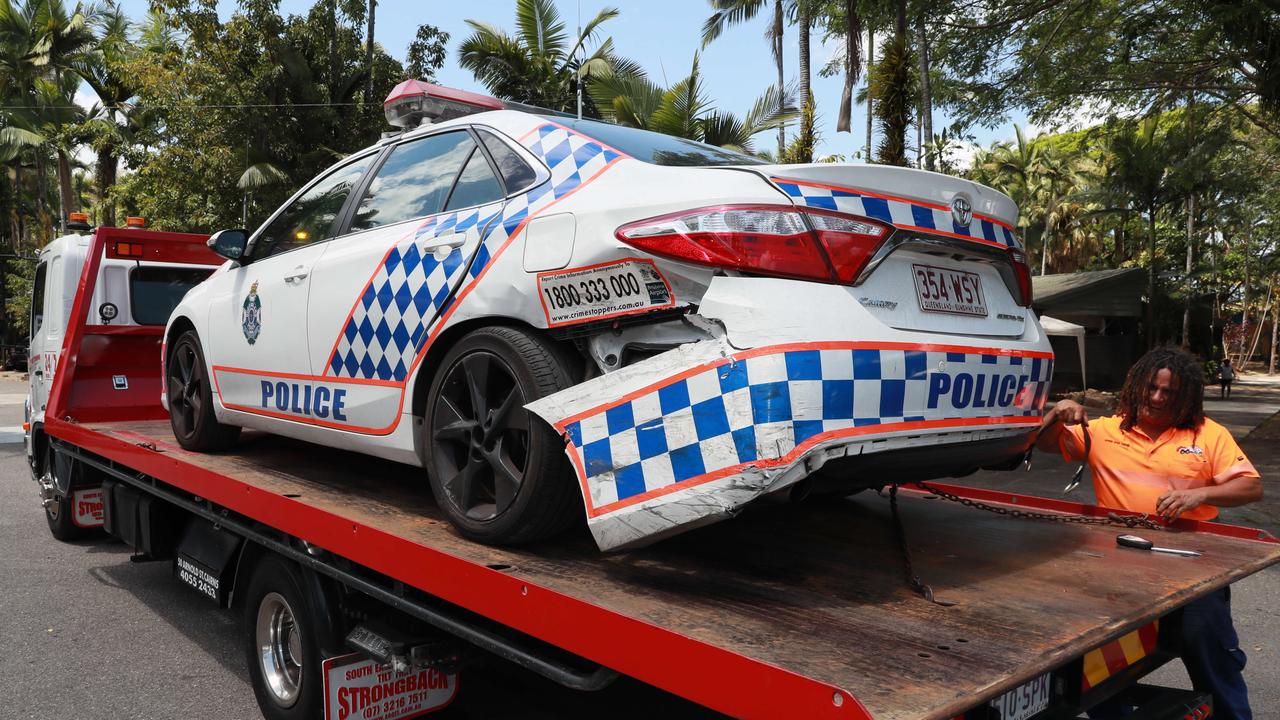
(190, 394)
(499, 472)
(282, 643)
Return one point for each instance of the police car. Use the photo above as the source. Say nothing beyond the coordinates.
(552, 314)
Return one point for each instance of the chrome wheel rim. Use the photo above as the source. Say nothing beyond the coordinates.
(480, 432)
(279, 642)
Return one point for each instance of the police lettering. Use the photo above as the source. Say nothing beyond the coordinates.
(964, 390)
(303, 399)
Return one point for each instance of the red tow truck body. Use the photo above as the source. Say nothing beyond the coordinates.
(796, 611)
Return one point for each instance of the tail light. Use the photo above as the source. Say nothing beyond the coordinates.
(1022, 272)
(778, 240)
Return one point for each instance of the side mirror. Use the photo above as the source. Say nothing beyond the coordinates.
(229, 244)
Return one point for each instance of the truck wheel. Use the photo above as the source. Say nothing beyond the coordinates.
(58, 510)
(283, 651)
(191, 399)
(499, 472)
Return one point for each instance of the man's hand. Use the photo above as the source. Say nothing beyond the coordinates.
(1175, 502)
(1070, 412)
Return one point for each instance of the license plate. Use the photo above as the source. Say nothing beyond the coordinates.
(943, 290)
(1024, 702)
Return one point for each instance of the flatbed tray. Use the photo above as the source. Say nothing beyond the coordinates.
(796, 610)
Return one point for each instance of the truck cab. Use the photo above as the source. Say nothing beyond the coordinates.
(139, 279)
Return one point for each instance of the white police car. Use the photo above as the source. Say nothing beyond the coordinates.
(551, 314)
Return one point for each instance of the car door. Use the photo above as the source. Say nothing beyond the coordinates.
(258, 310)
(411, 237)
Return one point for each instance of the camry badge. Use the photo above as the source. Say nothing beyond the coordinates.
(961, 211)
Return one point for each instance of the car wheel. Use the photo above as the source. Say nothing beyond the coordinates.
(499, 472)
(191, 399)
(282, 645)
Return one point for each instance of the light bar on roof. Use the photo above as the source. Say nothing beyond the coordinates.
(413, 102)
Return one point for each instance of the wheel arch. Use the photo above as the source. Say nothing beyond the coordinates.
(430, 364)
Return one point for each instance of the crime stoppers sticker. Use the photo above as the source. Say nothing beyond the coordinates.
(86, 508)
(357, 688)
(607, 290)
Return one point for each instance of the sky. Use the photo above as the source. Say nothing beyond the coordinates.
(661, 35)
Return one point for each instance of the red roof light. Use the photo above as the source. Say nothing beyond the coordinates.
(413, 102)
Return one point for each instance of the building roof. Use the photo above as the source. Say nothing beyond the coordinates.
(1112, 293)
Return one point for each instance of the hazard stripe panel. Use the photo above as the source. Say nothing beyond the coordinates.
(1106, 661)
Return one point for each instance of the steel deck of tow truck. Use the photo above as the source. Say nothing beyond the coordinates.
(797, 610)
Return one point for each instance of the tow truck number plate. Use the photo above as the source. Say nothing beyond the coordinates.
(1024, 702)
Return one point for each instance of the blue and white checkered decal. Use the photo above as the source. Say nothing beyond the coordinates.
(900, 213)
(389, 325)
(765, 409)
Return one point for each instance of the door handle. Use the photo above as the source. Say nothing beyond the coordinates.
(449, 242)
(299, 274)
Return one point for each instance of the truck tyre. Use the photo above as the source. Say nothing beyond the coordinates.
(498, 471)
(191, 399)
(283, 651)
(58, 511)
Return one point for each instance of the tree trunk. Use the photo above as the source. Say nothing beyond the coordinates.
(108, 165)
(368, 55)
(926, 95)
(67, 193)
(871, 51)
(1257, 334)
(803, 29)
(1186, 304)
(333, 51)
(852, 64)
(1248, 285)
(782, 80)
(1275, 324)
(1151, 280)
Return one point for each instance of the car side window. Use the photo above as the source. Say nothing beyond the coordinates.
(476, 185)
(414, 181)
(310, 217)
(515, 172)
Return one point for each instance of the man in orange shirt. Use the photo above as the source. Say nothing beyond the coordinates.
(1160, 455)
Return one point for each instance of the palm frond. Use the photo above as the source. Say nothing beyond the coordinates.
(540, 27)
(728, 12)
(261, 175)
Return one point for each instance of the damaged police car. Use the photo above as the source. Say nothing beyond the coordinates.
(555, 315)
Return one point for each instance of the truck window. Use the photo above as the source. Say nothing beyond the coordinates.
(37, 299)
(155, 291)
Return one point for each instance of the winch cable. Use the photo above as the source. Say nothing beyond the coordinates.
(900, 535)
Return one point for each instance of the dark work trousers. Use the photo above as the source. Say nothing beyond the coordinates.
(1211, 651)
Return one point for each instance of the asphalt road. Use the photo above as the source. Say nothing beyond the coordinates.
(91, 634)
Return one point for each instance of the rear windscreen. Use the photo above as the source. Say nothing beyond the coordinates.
(155, 291)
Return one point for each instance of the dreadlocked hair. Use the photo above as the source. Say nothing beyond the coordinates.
(1187, 408)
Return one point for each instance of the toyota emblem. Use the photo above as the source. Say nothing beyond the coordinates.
(961, 211)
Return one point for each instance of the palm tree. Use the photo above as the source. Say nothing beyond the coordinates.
(1011, 167)
(684, 109)
(537, 65)
(1141, 172)
(735, 12)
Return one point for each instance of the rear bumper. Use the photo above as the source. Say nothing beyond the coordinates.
(688, 437)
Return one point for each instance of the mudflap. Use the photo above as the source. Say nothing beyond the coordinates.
(205, 560)
(356, 686)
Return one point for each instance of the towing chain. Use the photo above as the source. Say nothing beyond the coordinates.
(922, 589)
(1129, 521)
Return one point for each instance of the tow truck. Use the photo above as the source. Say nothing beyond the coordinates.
(361, 601)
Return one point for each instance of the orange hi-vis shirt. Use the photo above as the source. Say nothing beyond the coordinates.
(1131, 470)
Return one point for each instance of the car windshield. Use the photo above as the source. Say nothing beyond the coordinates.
(656, 148)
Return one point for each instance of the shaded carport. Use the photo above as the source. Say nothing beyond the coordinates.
(1108, 305)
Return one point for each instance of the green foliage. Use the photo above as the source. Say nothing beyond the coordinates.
(18, 278)
(426, 53)
(801, 148)
(894, 85)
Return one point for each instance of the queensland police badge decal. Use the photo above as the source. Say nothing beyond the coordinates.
(251, 315)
